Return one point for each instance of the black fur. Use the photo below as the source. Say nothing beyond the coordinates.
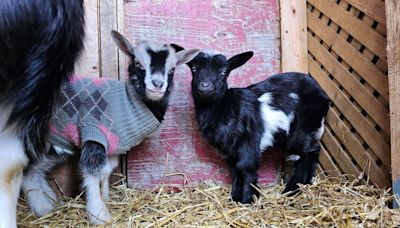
(93, 157)
(136, 77)
(230, 119)
(158, 61)
(39, 44)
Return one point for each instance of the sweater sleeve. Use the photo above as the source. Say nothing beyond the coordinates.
(92, 133)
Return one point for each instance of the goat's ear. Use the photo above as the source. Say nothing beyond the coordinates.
(177, 47)
(123, 44)
(239, 59)
(185, 56)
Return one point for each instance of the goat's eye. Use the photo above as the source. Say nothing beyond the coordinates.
(223, 71)
(171, 71)
(138, 65)
(194, 68)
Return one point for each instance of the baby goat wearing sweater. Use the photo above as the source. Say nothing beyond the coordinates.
(103, 118)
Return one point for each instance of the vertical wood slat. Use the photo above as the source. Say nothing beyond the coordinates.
(393, 48)
(293, 36)
(122, 59)
(108, 17)
(88, 64)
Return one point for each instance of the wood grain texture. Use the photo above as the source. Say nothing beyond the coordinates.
(393, 37)
(362, 32)
(356, 150)
(370, 72)
(108, 20)
(89, 65)
(373, 8)
(177, 152)
(380, 147)
(365, 98)
(293, 35)
(347, 56)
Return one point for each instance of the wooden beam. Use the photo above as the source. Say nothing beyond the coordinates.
(108, 50)
(88, 64)
(393, 48)
(294, 35)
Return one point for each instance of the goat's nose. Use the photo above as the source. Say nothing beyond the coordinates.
(157, 83)
(205, 84)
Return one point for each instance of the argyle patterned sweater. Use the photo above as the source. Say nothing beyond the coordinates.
(102, 110)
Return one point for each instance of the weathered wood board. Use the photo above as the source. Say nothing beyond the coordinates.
(177, 153)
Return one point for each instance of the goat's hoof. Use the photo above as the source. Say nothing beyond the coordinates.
(99, 217)
(236, 198)
(41, 203)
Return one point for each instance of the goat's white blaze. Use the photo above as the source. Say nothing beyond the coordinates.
(142, 55)
(273, 120)
(12, 162)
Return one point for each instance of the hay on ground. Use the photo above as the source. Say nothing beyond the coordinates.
(329, 203)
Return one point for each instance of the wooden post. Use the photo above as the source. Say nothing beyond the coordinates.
(108, 50)
(393, 53)
(294, 35)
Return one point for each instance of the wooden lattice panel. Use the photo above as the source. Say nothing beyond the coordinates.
(347, 56)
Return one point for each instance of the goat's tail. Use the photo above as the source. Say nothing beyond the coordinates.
(40, 42)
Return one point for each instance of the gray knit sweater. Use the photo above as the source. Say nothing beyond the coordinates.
(102, 110)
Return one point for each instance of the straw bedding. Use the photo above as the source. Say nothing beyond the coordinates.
(328, 203)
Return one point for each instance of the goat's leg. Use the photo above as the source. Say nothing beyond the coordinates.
(95, 167)
(40, 196)
(13, 160)
(248, 165)
(304, 169)
(237, 181)
(105, 179)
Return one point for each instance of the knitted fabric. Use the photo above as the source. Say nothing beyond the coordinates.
(102, 110)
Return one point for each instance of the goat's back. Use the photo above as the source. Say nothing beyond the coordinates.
(39, 44)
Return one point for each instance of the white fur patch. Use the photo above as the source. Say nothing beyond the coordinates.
(294, 96)
(293, 157)
(320, 131)
(62, 151)
(273, 120)
(211, 52)
(97, 191)
(13, 161)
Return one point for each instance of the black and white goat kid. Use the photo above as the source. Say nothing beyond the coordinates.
(39, 44)
(149, 84)
(285, 111)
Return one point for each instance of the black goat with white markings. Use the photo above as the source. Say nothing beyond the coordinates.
(39, 43)
(285, 111)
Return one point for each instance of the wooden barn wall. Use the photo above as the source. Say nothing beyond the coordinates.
(347, 56)
(176, 154)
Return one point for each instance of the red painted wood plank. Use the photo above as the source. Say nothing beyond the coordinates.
(177, 151)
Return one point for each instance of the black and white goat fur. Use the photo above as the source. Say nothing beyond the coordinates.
(151, 71)
(285, 111)
(39, 44)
